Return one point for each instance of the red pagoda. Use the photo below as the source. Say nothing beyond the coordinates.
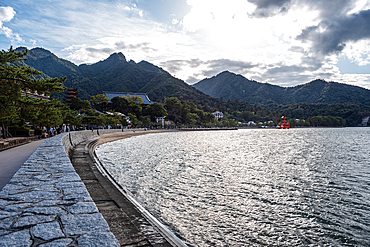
(71, 93)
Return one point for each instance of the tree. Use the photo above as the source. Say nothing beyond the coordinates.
(155, 110)
(16, 79)
(191, 118)
(134, 121)
(145, 120)
(100, 101)
(128, 104)
(78, 104)
(173, 107)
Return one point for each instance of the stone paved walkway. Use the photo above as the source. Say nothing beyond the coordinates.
(47, 204)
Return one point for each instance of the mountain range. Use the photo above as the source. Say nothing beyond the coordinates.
(117, 74)
(114, 74)
(228, 85)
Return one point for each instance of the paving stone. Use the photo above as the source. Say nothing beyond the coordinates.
(44, 189)
(98, 239)
(45, 210)
(6, 223)
(16, 207)
(33, 220)
(6, 214)
(43, 176)
(84, 223)
(14, 187)
(78, 198)
(62, 185)
(19, 239)
(71, 177)
(47, 231)
(83, 208)
(3, 232)
(76, 190)
(32, 196)
(47, 187)
(36, 182)
(48, 203)
(4, 203)
(58, 243)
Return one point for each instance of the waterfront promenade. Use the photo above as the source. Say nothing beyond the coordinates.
(46, 204)
(51, 201)
(11, 160)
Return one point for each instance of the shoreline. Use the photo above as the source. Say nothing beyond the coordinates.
(121, 211)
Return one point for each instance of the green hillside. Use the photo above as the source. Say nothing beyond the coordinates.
(228, 85)
(113, 74)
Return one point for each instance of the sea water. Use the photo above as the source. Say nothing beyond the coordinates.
(297, 187)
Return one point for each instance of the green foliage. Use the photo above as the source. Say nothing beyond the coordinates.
(351, 113)
(327, 121)
(128, 105)
(16, 78)
(155, 110)
(134, 120)
(19, 131)
(100, 101)
(78, 104)
(146, 121)
(116, 74)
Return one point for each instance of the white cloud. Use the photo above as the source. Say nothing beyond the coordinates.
(213, 36)
(6, 15)
(358, 52)
(33, 42)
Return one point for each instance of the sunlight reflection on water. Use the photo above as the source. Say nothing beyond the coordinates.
(294, 187)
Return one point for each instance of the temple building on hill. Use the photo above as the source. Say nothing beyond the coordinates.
(143, 96)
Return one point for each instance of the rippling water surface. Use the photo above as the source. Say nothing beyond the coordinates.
(297, 187)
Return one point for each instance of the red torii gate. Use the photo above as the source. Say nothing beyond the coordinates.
(284, 125)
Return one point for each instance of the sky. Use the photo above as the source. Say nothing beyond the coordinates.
(281, 42)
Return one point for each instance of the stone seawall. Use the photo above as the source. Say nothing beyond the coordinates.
(71, 139)
(46, 203)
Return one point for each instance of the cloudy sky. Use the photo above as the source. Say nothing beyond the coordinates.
(282, 42)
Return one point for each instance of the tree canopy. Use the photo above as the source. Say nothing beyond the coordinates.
(17, 82)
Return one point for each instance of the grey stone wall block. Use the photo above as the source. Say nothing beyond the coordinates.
(84, 223)
(16, 207)
(83, 208)
(47, 231)
(99, 239)
(33, 220)
(47, 200)
(45, 210)
(32, 196)
(62, 185)
(75, 190)
(19, 239)
(58, 243)
(6, 214)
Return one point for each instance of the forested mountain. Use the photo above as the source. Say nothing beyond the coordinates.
(117, 74)
(242, 99)
(228, 85)
(114, 74)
